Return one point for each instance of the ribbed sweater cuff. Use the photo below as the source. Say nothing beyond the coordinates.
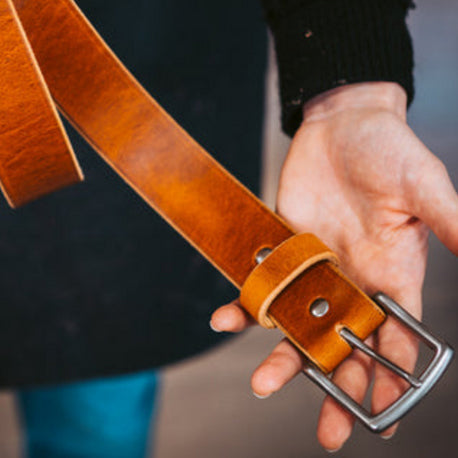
(324, 44)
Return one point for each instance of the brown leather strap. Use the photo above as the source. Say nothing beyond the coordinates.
(199, 198)
(35, 155)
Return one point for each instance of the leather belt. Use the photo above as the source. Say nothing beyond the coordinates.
(287, 280)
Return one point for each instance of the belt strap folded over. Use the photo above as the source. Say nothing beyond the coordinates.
(35, 155)
(199, 198)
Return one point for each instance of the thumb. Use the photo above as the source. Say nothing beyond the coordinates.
(435, 201)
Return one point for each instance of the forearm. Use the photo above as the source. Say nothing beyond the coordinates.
(380, 95)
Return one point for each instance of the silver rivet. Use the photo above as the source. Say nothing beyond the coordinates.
(262, 254)
(319, 308)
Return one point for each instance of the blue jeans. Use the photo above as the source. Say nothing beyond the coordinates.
(103, 418)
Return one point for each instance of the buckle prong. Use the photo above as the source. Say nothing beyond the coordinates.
(420, 386)
(360, 345)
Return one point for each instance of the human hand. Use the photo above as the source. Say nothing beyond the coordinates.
(359, 178)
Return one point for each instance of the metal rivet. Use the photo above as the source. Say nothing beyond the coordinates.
(319, 308)
(262, 254)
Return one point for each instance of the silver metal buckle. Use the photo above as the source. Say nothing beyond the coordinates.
(419, 387)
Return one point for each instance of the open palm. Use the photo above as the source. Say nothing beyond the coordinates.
(361, 180)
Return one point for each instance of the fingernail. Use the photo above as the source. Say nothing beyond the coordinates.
(335, 450)
(261, 396)
(388, 437)
(213, 328)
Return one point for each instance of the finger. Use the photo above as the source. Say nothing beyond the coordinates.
(335, 423)
(231, 318)
(401, 347)
(435, 201)
(281, 366)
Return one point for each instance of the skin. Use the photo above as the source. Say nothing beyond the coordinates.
(357, 176)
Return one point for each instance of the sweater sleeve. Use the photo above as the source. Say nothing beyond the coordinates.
(322, 44)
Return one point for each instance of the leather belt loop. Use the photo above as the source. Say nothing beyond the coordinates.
(284, 264)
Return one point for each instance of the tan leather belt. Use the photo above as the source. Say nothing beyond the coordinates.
(287, 280)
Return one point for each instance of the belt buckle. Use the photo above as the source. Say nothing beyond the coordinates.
(419, 387)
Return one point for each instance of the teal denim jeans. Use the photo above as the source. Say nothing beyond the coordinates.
(103, 418)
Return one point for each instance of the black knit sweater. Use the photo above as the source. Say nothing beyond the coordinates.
(322, 44)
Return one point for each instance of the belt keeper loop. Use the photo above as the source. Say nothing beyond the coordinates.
(282, 266)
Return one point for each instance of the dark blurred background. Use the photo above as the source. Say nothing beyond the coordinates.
(207, 408)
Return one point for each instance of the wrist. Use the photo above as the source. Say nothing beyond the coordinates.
(380, 95)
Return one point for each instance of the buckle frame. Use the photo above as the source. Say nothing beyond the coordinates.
(419, 387)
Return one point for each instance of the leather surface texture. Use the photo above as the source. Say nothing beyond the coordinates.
(35, 155)
(183, 183)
